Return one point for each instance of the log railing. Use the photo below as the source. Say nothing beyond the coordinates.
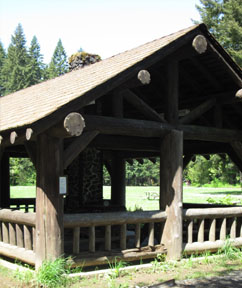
(109, 232)
(208, 228)
(17, 235)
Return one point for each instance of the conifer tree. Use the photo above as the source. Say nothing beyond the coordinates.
(2, 59)
(17, 67)
(36, 61)
(58, 64)
(224, 20)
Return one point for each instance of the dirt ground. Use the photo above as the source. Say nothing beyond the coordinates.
(187, 275)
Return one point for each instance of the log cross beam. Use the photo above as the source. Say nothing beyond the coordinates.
(77, 146)
(141, 106)
(198, 111)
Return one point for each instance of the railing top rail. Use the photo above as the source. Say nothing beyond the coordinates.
(112, 218)
(16, 216)
(212, 212)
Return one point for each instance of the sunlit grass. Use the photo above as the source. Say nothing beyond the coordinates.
(136, 196)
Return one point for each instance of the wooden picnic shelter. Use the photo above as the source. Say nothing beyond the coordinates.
(171, 98)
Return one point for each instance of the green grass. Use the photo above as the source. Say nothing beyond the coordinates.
(136, 196)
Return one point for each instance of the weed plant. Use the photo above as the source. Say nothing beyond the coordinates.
(52, 273)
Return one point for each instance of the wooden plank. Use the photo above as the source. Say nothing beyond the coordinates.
(171, 192)
(151, 239)
(141, 106)
(212, 230)
(49, 203)
(28, 238)
(76, 240)
(108, 238)
(12, 234)
(123, 229)
(137, 235)
(77, 146)
(5, 232)
(222, 234)
(198, 111)
(92, 239)
(200, 237)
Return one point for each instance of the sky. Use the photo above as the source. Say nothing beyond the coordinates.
(104, 27)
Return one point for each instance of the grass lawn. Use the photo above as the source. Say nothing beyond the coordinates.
(136, 196)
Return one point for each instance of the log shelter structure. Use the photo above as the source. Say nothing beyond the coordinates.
(172, 98)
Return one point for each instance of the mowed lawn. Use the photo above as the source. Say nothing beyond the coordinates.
(147, 197)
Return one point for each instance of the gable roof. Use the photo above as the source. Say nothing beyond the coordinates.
(29, 105)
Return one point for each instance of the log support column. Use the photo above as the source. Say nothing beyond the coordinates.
(49, 203)
(118, 181)
(171, 192)
(4, 180)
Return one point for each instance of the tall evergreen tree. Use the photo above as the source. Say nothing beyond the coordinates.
(17, 67)
(36, 61)
(224, 20)
(58, 64)
(2, 59)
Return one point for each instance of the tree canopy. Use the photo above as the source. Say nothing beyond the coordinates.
(58, 65)
(224, 20)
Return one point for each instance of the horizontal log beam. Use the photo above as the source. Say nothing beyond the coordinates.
(198, 111)
(14, 252)
(207, 213)
(143, 128)
(102, 219)
(196, 247)
(19, 217)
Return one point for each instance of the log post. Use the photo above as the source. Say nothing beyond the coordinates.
(118, 181)
(171, 192)
(49, 203)
(4, 181)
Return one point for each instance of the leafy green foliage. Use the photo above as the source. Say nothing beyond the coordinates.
(38, 72)
(2, 59)
(16, 69)
(58, 65)
(22, 172)
(214, 171)
(224, 20)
